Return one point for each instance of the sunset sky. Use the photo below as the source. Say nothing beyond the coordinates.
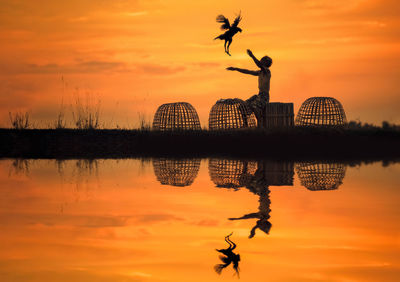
(136, 55)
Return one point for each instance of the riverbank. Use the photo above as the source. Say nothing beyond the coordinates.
(294, 143)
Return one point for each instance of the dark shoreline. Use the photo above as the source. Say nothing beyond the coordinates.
(294, 144)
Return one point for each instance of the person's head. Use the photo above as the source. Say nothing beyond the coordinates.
(266, 61)
(264, 225)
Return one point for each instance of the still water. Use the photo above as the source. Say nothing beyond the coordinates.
(163, 219)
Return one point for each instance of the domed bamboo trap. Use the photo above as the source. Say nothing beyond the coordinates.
(321, 176)
(321, 111)
(231, 114)
(176, 172)
(231, 173)
(176, 116)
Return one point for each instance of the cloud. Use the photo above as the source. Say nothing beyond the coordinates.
(89, 221)
(206, 222)
(54, 68)
(159, 69)
(321, 41)
(67, 275)
(152, 218)
(207, 46)
(57, 219)
(95, 66)
(206, 64)
(136, 14)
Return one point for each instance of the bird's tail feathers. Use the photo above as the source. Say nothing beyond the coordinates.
(218, 268)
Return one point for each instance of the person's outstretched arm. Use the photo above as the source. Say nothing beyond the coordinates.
(246, 216)
(256, 61)
(256, 73)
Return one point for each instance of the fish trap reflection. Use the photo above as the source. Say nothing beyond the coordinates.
(176, 172)
(231, 173)
(321, 176)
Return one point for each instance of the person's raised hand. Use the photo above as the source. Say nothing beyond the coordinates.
(231, 68)
(249, 52)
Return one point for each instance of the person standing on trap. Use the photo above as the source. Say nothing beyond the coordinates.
(257, 103)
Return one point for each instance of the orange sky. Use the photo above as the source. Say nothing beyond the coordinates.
(136, 55)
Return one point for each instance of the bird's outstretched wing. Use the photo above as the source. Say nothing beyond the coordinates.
(224, 21)
(237, 20)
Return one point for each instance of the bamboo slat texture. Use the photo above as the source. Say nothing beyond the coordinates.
(176, 116)
(320, 176)
(279, 115)
(176, 172)
(231, 173)
(231, 114)
(278, 173)
(321, 111)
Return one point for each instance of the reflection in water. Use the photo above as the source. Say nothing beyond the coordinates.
(19, 167)
(262, 215)
(83, 174)
(268, 173)
(125, 225)
(316, 176)
(231, 173)
(228, 257)
(176, 172)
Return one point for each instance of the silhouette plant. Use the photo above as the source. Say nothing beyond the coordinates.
(19, 120)
(86, 115)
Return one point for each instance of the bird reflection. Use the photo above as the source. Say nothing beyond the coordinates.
(318, 176)
(176, 172)
(228, 257)
(268, 173)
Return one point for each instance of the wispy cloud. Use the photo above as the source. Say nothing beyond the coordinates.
(136, 14)
(81, 67)
(159, 69)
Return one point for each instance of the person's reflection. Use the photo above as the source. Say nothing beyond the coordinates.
(262, 215)
(259, 185)
(228, 257)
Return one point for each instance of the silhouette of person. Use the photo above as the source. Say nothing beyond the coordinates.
(259, 186)
(258, 102)
(228, 257)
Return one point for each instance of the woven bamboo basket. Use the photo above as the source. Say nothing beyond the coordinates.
(176, 172)
(231, 114)
(279, 115)
(321, 111)
(176, 116)
(231, 173)
(321, 176)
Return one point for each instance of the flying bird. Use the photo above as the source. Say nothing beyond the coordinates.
(231, 30)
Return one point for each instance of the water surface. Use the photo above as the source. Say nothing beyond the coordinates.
(163, 219)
